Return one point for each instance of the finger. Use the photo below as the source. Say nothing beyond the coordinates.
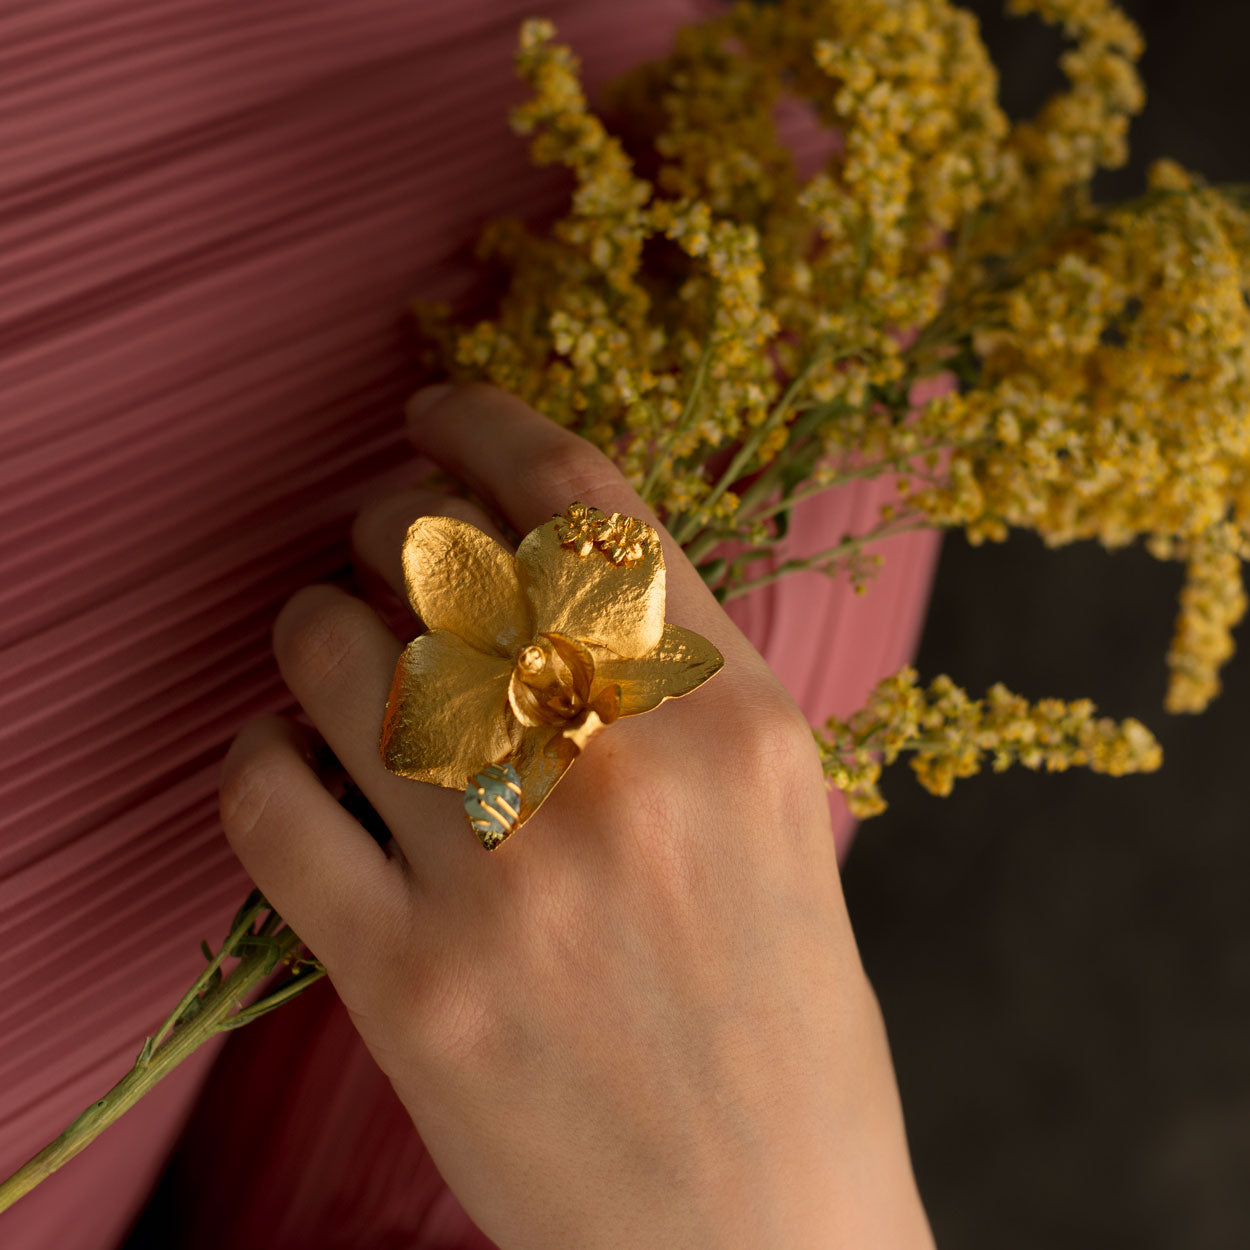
(338, 659)
(530, 468)
(323, 873)
(379, 528)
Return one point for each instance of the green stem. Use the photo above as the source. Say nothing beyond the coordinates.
(294, 987)
(176, 1039)
(875, 469)
(704, 542)
(244, 919)
(686, 527)
(687, 415)
(848, 546)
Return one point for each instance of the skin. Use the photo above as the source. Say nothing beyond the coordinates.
(643, 1021)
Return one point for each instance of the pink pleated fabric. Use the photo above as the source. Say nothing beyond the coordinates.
(212, 216)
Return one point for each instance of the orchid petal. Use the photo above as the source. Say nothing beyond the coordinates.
(590, 598)
(541, 759)
(462, 580)
(447, 715)
(545, 752)
(681, 662)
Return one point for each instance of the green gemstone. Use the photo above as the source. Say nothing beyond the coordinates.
(492, 802)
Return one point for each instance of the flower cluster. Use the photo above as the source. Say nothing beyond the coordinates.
(1047, 161)
(620, 538)
(1111, 400)
(753, 279)
(1213, 600)
(738, 337)
(950, 735)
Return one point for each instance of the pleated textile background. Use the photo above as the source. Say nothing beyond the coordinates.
(213, 214)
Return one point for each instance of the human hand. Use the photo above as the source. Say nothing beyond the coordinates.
(643, 1020)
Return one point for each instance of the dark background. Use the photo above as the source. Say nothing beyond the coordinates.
(1063, 960)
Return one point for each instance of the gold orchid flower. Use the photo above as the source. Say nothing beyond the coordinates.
(527, 657)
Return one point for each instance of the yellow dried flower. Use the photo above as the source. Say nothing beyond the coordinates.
(1047, 161)
(1212, 602)
(737, 337)
(1112, 401)
(950, 736)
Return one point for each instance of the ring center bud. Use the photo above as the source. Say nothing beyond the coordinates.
(551, 680)
(532, 660)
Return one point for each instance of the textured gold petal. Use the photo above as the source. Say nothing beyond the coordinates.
(587, 597)
(447, 714)
(681, 662)
(551, 680)
(580, 731)
(541, 759)
(461, 580)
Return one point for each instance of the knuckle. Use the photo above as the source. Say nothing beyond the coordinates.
(461, 510)
(375, 519)
(464, 1025)
(574, 469)
(770, 737)
(396, 511)
(313, 635)
(252, 778)
(446, 1014)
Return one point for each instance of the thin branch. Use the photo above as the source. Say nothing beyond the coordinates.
(839, 551)
(692, 399)
(242, 925)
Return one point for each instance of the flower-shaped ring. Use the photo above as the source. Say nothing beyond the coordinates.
(525, 658)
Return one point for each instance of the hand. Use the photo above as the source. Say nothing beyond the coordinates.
(643, 1020)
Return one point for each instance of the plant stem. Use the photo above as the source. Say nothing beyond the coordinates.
(294, 987)
(685, 529)
(705, 541)
(701, 541)
(246, 916)
(848, 546)
(687, 414)
(899, 463)
(177, 1037)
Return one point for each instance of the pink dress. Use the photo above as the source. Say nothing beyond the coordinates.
(212, 216)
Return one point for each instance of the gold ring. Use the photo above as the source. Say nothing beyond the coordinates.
(526, 658)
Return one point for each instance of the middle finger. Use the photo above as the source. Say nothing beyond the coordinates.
(380, 526)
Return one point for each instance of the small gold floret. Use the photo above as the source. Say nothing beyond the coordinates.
(620, 539)
(584, 529)
(531, 659)
(578, 527)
